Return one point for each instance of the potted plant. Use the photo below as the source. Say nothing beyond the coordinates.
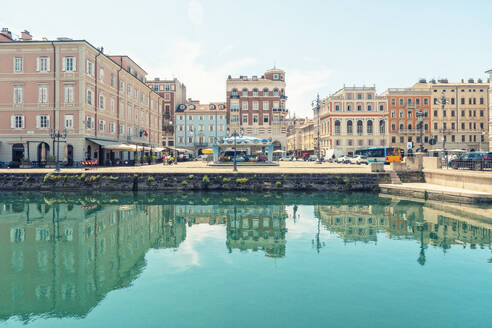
(25, 163)
(51, 161)
(137, 160)
(154, 159)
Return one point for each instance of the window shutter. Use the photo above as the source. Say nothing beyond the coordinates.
(87, 67)
(74, 62)
(13, 66)
(38, 63)
(40, 95)
(65, 89)
(48, 63)
(48, 121)
(12, 121)
(23, 121)
(38, 121)
(64, 68)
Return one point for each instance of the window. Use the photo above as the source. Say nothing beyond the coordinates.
(43, 64)
(462, 101)
(68, 118)
(18, 95)
(101, 101)
(255, 105)
(452, 101)
(359, 96)
(369, 127)
(190, 140)
(275, 93)
(359, 107)
(349, 127)
(337, 107)
(235, 106)
(200, 127)
(89, 122)
(18, 64)
(409, 101)
(180, 140)
(255, 118)
(276, 105)
(42, 121)
(393, 101)
(349, 108)
(369, 96)
(111, 127)
(111, 104)
(337, 128)
(401, 101)
(481, 101)
(265, 105)
(417, 101)
(68, 64)
(89, 97)
(453, 126)
(210, 140)
(122, 128)
(426, 101)
(275, 76)
(381, 108)
(435, 101)
(68, 96)
(245, 105)
(255, 93)
(393, 113)
(101, 125)
(17, 122)
(369, 107)
(211, 128)
(265, 93)
(245, 119)
(43, 94)
(265, 118)
(90, 68)
(245, 93)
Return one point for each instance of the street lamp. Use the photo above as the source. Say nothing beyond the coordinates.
(234, 133)
(317, 112)
(56, 135)
(443, 101)
(420, 115)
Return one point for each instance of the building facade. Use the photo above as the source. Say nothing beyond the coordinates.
(490, 108)
(198, 126)
(464, 121)
(258, 105)
(350, 119)
(173, 93)
(69, 85)
(404, 124)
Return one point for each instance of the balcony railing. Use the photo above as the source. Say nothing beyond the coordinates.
(234, 96)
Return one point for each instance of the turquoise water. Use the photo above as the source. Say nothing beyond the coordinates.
(242, 260)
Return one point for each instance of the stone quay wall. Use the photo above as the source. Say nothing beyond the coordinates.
(176, 181)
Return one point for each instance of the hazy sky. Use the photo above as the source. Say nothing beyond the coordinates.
(320, 44)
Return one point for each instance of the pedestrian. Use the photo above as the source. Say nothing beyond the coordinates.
(164, 159)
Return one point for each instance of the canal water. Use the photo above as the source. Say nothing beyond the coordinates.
(242, 260)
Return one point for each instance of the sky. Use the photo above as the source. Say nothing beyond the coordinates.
(322, 45)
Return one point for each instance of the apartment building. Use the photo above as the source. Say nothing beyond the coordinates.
(406, 106)
(258, 105)
(490, 108)
(464, 121)
(199, 126)
(294, 135)
(101, 101)
(352, 118)
(173, 93)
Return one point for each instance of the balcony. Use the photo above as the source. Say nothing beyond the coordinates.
(283, 97)
(234, 96)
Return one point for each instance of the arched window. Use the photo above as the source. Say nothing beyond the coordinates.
(382, 127)
(349, 127)
(337, 128)
(234, 92)
(245, 92)
(369, 127)
(401, 127)
(409, 126)
(265, 92)
(275, 93)
(255, 92)
(359, 127)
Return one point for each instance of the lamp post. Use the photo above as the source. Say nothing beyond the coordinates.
(443, 101)
(294, 148)
(420, 115)
(316, 102)
(56, 135)
(234, 133)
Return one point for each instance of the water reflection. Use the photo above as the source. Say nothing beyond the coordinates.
(62, 253)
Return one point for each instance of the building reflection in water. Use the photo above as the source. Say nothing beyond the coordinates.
(60, 258)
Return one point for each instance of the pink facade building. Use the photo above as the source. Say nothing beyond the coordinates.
(101, 101)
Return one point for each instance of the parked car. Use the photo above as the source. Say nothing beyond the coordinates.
(314, 158)
(359, 159)
(344, 159)
(472, 161)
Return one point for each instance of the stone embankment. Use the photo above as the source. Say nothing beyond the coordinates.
(202, 181)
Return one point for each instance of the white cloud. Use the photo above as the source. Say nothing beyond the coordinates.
(195, 12)
(302, 87)
(203, 82)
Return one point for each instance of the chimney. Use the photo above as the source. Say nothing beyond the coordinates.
(5, 35)
(26, 36)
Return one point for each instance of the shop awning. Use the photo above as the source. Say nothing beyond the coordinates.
(208, 151)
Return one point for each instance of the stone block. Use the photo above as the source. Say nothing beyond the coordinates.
(398, 167)
(377, 167)
(431, 163)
